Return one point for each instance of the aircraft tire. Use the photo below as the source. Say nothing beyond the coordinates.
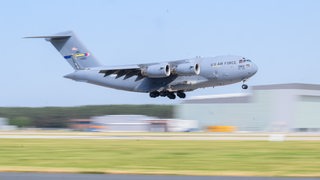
(244, 86)
(171, 96)
(154, 94)
(181, 94)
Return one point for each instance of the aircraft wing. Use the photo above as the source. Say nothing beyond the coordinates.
(152, 70)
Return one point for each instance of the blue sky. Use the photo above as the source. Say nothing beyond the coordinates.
(281, 37)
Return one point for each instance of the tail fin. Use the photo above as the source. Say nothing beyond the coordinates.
(72, 50)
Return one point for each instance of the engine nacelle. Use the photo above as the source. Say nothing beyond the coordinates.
(157, 71)
(187, 69)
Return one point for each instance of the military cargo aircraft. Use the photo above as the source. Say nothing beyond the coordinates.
(165, 79)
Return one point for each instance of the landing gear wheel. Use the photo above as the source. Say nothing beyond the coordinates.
(171, 95)
(154, 94)
(181, 94)
(244, 86)
(163, 93)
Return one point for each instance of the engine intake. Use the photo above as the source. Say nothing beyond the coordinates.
(157, 71)
(187, 69)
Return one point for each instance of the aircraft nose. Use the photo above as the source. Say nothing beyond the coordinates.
(254, 68)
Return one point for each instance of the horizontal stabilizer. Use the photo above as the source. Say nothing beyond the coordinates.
(51, 37)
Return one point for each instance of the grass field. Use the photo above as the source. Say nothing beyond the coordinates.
(162, 157)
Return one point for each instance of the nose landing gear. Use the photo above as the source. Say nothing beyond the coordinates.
(244, 86)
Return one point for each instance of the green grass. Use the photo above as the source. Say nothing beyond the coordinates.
(162, 157)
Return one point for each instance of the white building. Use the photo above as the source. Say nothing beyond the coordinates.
(122, 123)
(4, 125)
(141, 123)
(3, 122)
(280, 107)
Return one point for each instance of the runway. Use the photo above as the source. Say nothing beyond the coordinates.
(147, 136)
(163, 136)
(49, 176)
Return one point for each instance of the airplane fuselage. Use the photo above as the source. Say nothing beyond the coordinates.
(214, 71)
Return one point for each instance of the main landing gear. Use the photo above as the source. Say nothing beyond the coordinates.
(181, 94)
(170, 95)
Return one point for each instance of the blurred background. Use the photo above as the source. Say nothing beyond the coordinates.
(92, 129)
(281, 37)
(267, 108)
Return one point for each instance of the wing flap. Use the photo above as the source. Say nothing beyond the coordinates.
(126, 72)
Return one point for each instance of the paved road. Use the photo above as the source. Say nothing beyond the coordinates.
(235, 137)
(49, 176)
(45, 134)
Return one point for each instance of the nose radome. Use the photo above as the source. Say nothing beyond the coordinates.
(254, 68)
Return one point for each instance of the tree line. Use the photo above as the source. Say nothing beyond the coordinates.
(57, 117)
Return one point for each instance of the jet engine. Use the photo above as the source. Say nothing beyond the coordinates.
(187, 69)
(157, 71)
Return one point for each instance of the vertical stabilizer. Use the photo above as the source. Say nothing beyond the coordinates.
(69, 46)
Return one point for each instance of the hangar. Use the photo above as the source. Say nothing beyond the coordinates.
(293, 107)
(132, 123)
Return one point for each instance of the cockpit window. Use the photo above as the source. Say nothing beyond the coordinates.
(243, 60)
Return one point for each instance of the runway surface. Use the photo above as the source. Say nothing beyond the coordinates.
(162, 136)
(48, 176)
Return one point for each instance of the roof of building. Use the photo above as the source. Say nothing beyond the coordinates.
(220, 98)
(245, 98)
(301, 86)
(124, 117)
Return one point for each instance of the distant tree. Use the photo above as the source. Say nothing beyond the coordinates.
(21, 121)
(57, 117)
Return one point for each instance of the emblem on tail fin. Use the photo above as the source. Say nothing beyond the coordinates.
(81, 56)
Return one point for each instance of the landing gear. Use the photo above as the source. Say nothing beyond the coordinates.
(244, 86)
(163, 93)
(170, 95)
(154, 94)
(181, 94)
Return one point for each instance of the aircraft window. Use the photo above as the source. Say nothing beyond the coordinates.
(244, 60)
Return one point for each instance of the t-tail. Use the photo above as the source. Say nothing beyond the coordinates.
(69, 46)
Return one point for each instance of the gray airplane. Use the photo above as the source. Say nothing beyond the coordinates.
(166, 79)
